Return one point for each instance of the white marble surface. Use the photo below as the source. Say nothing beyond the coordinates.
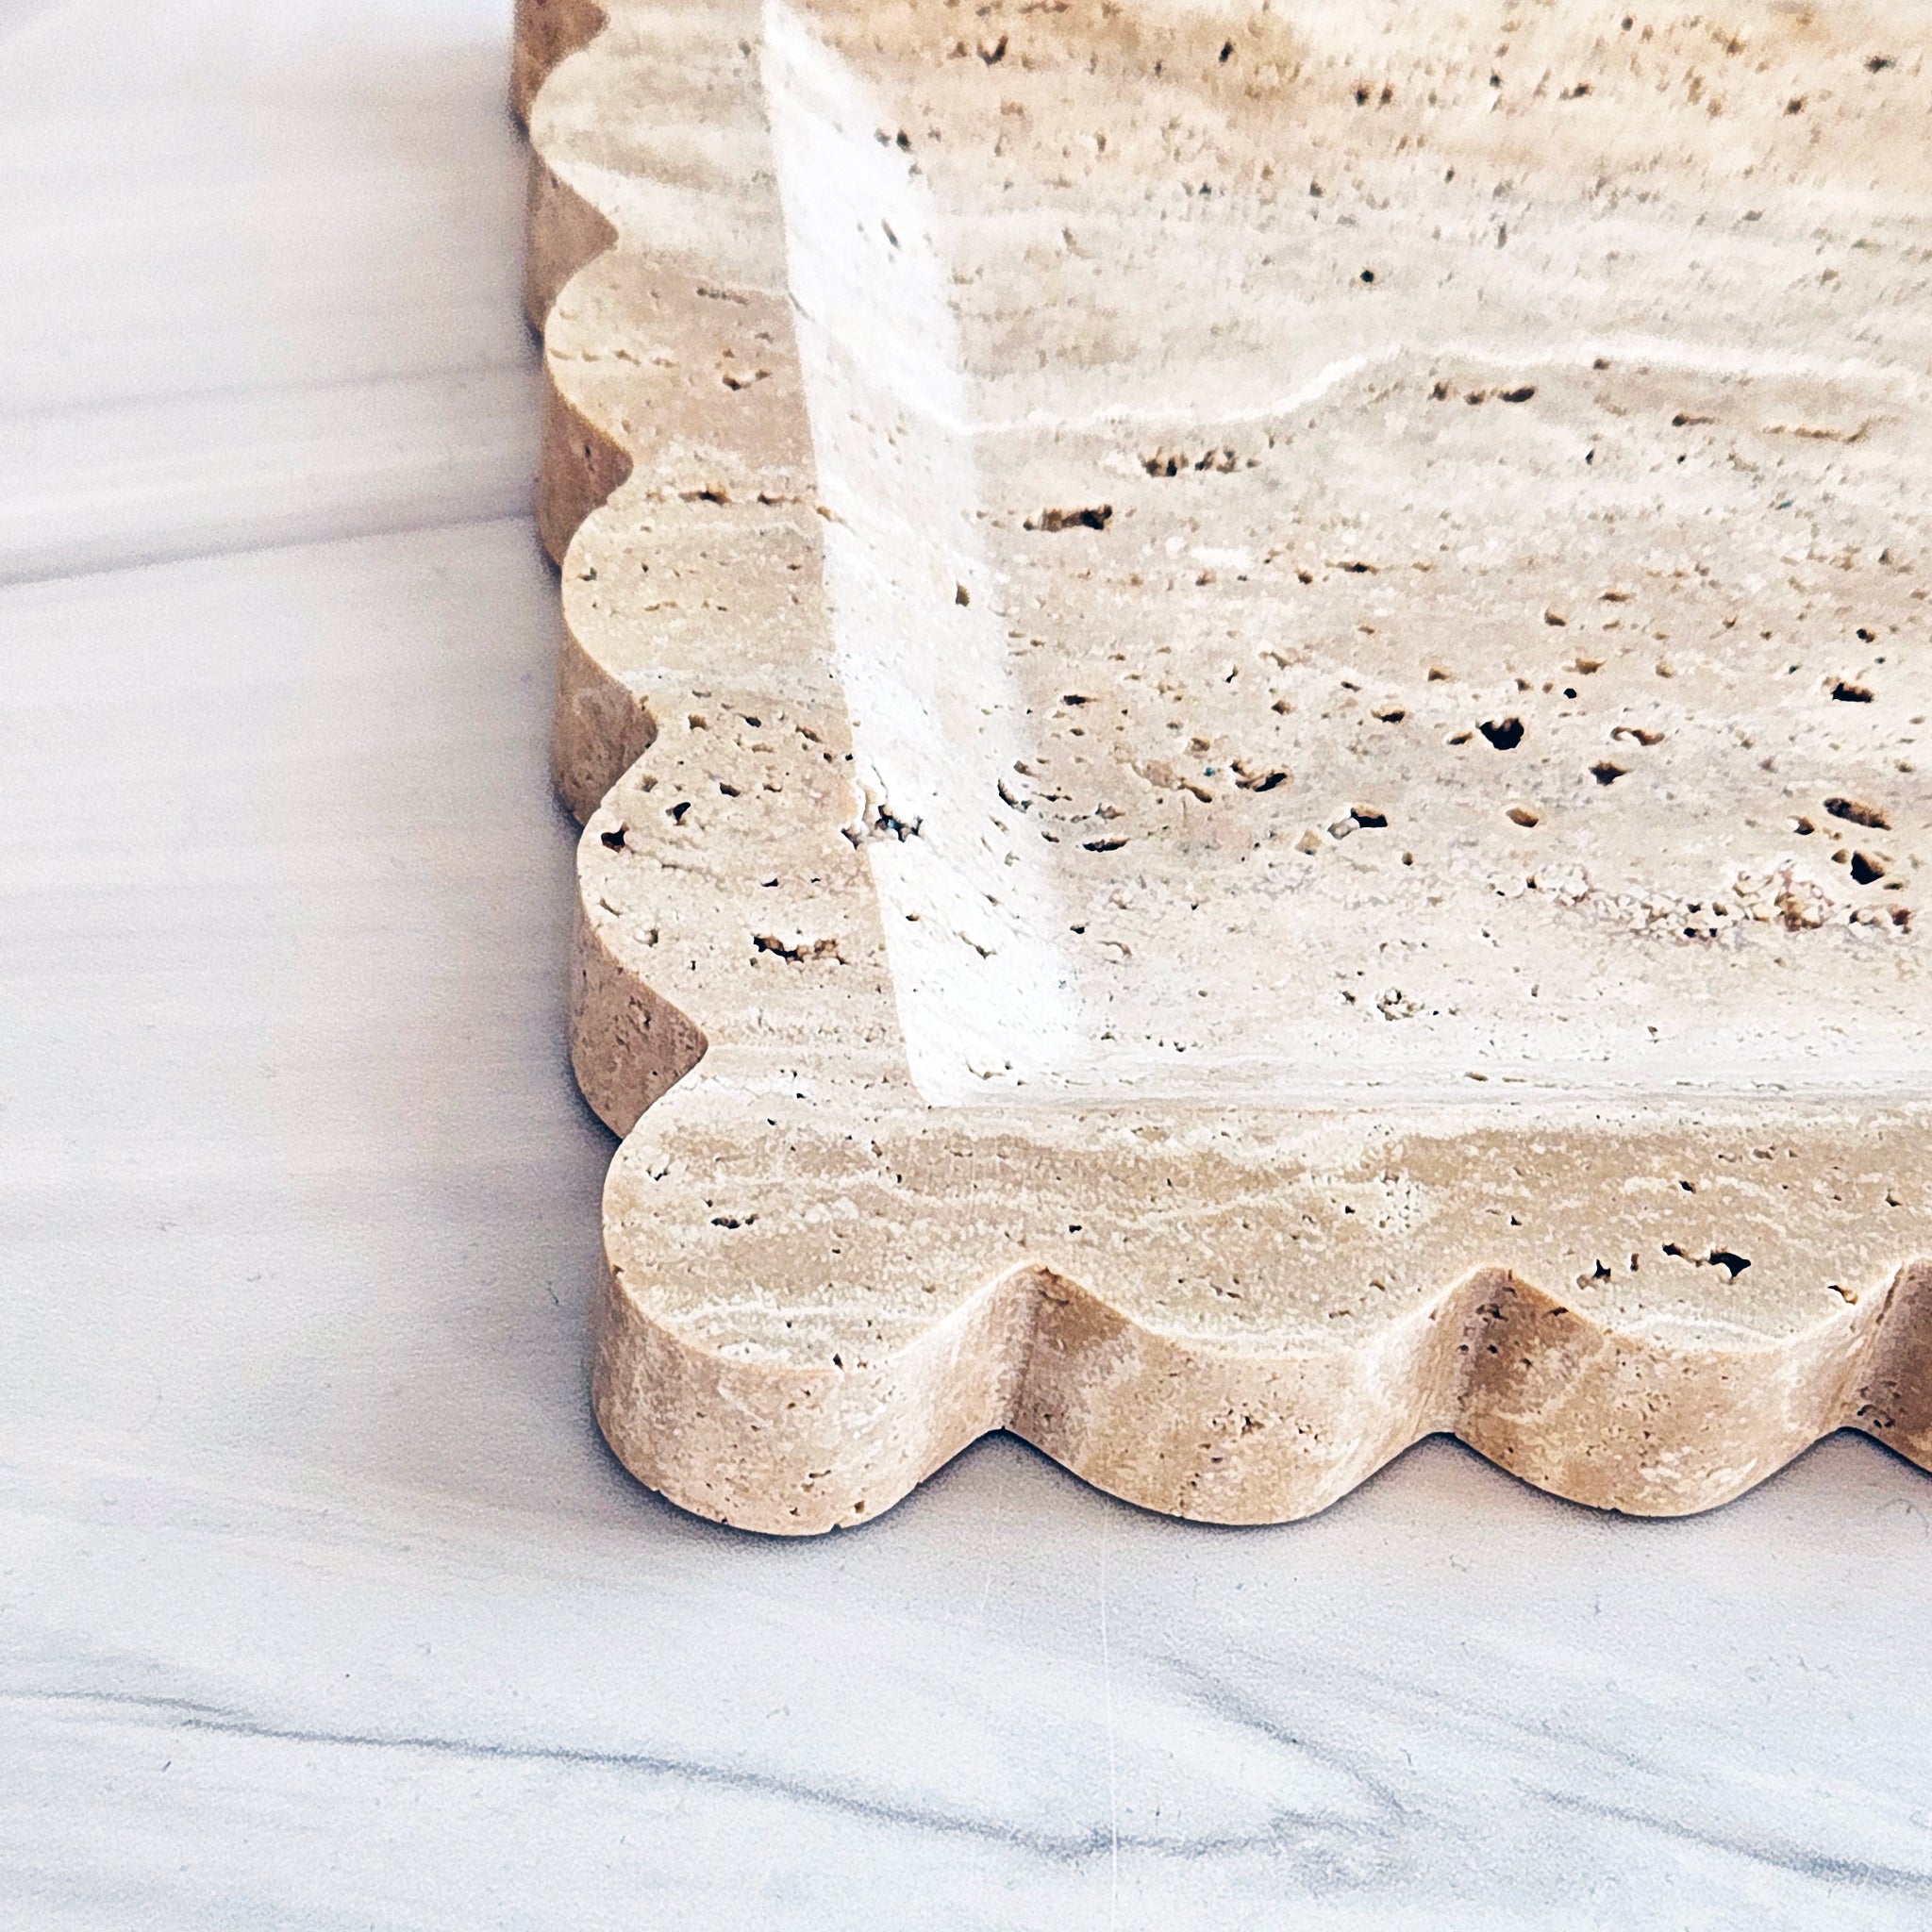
(321, 1604)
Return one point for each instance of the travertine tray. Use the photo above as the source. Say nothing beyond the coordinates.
(1250, 691)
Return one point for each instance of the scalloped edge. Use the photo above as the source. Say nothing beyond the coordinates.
(792, 1448)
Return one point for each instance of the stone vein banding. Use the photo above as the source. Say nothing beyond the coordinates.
(1248, 689)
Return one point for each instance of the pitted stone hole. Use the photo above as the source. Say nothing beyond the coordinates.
(1847, 693)
(1095, 517)
(1250, 780)
(1733, 1264)
(1224, 462)
(1504, 734)
(884, 823)
(804, 951)
(613, 840)
(1857, 813)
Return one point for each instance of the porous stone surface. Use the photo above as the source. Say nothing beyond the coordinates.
(1250, 689)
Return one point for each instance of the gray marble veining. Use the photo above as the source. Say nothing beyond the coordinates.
(321, 1604)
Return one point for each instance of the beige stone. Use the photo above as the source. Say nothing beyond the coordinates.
(1249, 689)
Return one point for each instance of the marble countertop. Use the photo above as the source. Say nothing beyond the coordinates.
(321, 1603)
